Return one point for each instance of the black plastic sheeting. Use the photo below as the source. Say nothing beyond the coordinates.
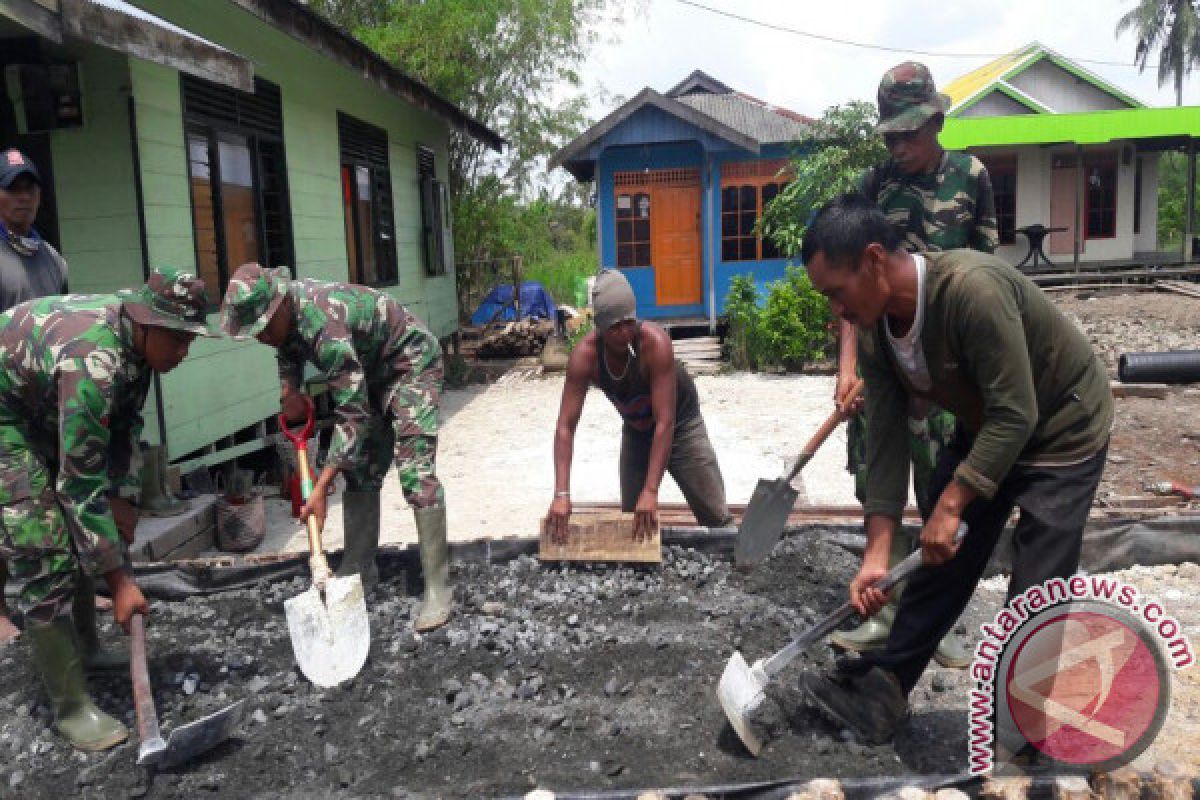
(1107, 546)
(1169, 366)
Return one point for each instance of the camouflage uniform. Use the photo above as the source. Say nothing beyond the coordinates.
(71, 393)
(384, 371)
(948, 209)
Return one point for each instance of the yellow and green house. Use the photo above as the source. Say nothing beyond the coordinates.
(1068, 150)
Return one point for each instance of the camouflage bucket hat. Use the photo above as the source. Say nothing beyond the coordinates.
(170, 298)
(253, 294)
(908, 99)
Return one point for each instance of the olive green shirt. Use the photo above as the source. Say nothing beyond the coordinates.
(1021, 378)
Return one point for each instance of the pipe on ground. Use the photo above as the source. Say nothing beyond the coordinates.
(1171, 366)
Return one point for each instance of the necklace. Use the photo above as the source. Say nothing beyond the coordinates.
(628, 361)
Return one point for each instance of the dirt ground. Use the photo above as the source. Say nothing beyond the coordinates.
(579, 678)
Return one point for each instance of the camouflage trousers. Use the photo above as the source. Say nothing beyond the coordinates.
(405, 433)
(34, 536)
(926, 439)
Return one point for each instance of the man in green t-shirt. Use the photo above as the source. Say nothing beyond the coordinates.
(935, 200)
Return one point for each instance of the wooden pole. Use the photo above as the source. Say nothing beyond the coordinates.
(1189, 217)
(1079, 178)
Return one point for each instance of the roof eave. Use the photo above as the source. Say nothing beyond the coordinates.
(649, 97)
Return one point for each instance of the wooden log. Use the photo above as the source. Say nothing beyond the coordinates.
(1157, 391)
(1124, 784)
(1072, 787)
(1005, 789)
(603, 536)
(1169, 782)
(951, 794)
(819, 789)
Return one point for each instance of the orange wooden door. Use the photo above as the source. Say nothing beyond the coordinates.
(675, 245)
(1063, 180)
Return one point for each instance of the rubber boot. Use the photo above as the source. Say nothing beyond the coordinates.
(360, 524)
(873, 634)
(76, 717)
(156, 499)
(83, 613)
(434, 611)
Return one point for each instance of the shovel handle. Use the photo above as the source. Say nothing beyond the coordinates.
(299, 438)
(828, 624)
(320, 567)
(143, 697)
(840, 415)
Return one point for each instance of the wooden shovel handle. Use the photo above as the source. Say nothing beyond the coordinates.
(840, 415)
(143, 697)
(320, 566)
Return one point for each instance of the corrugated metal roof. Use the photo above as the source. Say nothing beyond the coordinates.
(755, 120)
(966, 86)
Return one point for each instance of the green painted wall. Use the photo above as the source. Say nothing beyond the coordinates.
(225, 386)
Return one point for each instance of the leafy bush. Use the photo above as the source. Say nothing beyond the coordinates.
(580, 332)
(791, 329)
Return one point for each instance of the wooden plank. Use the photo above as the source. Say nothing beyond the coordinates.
(179, 536)
(601, 536)
(1158, 391)
(1180, 287)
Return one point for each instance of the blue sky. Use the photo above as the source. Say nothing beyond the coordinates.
(661, 41)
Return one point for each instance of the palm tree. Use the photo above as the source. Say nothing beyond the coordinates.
(1170, 27)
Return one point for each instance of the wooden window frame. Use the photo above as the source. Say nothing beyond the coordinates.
(1102, 159)
(265, 142)
(759, 174)
(1003, 165)
(365, 146)
(436, 232)
(643, 183)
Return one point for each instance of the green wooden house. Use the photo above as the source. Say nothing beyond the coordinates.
(208, 133)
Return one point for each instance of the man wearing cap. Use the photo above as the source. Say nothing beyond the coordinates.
(384, 370)
(935, 200)
(74, 373)
(634, 364)
(29, 267)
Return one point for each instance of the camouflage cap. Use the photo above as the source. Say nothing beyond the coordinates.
(908, 99)
(253, 294)
(170, 298)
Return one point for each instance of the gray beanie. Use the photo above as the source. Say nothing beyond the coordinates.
(612, 299)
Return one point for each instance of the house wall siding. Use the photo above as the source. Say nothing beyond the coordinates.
(225, 386)
(996, 104)
(1061, 91)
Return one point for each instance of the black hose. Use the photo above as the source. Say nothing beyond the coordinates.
(1171, 366)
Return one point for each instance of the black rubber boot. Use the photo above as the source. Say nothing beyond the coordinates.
(76, 717)
(83, 613)
(871, 704)
(360, 525)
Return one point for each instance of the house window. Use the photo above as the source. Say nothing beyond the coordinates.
(1003, 172)
(437, 234)
(367, 202)
(746, 189)
(633, 228)
(238, 179)
(1100, 194)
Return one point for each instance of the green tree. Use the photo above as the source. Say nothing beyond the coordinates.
(828, 161)
(1170, 30)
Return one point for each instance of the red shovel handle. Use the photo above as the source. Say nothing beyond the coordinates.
(299, 439)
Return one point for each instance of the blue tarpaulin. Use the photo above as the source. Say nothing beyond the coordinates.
(498, 305)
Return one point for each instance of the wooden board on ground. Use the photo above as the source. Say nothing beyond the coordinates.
(601, 536)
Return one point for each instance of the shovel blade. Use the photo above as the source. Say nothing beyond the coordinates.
(763, 523)
(330, 636)
(188, 741)
(740, 692)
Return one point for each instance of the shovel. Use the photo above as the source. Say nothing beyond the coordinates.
(330, 634)
(772, 501)
(185, 742)
(740, 690)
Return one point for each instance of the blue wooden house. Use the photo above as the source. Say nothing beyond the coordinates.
(681, 180)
